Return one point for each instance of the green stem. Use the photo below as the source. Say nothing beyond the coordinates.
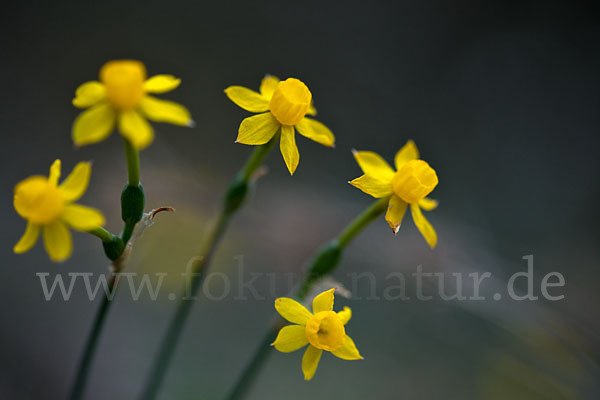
(232, 201)
(102, 233)
(324, 263)
(133, 163)
(90, 346)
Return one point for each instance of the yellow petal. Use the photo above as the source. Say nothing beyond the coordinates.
(312, 111)
(82, 218)
(54, 175)
(424, 226)
(345, 315)
(291, 338)
(75, 185)
(292, 311)
(407, 153)
(93, 125)
(348, 351)
(310, 361)
(314, 130)
(136, 129)
(248, 99)
(373, 165)
(268, 85)
(32, 232)
(323, 302)
(428, 204)
(395, 213)
(165, 111)
(258, 129)
(89, 94)
(57, 240)
(372, 186)
(161, 83)
(288, 148)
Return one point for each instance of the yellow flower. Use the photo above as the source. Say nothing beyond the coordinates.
(409, 184)
(121, 98)
(321, 330)
(49, 206)
(282, 104)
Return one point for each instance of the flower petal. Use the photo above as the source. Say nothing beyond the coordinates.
(54, 175)
(82, 218)
(291, 338)
(310, 361)
(373, 165)
(292, 311)
(372, 186)
(424, 226)
(407, 153)
(348, 351)
(248, 99)
(345, 315)
(93, 125)
(32, 232)
(312, 111)
(165, 111)
(136, 129)
(76, 183)
(161, 83)
(89, 94)
(395, 212)
(268, 85)
(323, 302)
(58, 241)
(314, 130)
(428, 204)
(257, 129)
(288, 148)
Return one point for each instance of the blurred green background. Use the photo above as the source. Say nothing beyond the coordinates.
(502, 98)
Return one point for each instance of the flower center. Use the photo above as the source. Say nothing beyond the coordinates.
(325, 331)
(290, 102)
(38, 200)
(414, 180)
(124, 81)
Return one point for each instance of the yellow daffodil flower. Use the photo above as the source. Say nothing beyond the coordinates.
(321, 330)
(49, 207)
(283, 105)
(121, 98)
(409, 184)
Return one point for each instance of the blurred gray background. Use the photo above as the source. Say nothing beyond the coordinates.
(502, 98)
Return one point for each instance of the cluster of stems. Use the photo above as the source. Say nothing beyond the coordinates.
(132, 206)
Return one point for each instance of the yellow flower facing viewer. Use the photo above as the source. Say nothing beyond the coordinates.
(121, 98)
(283, 105)
(412, 181)
(48, 208)
(323, 329)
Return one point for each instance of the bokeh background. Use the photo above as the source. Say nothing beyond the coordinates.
(502, 98)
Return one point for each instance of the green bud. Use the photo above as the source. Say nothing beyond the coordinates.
(326, 260)
(236, 193)
(132, 203)
(114, 247)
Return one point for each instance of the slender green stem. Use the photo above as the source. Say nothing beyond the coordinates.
(90, 346)
(133, 163)
(102, 233)
(234, 198)
(360, 222)
(324, 262)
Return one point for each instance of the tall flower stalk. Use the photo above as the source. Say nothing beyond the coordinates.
(323, 264)
(232, 201)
